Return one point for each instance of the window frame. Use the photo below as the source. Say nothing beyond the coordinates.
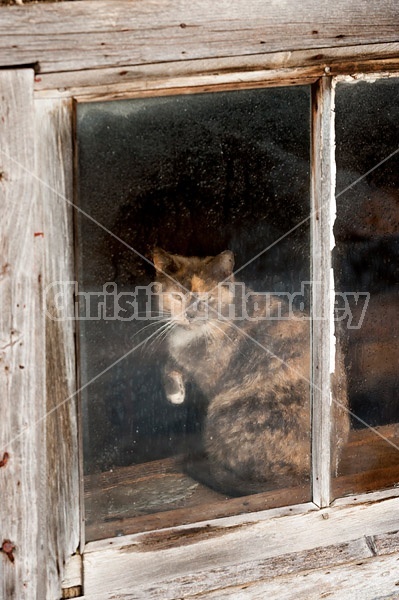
(45, 113)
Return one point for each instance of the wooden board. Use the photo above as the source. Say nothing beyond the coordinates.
(321, 228)
(255, 70)
(212, 555)
(245, 574)
(38, 437)
(68, 36)
(360, 579)
(53, 176)
(22, 346)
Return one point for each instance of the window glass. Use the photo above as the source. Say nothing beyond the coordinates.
(366, 263)
(185, 414)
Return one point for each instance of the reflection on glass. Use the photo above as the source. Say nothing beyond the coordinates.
(207, 398)
(366, 261)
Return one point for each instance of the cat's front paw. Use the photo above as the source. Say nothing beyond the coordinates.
(174, 387)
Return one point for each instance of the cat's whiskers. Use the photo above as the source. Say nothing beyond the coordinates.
(155, 322)
(163, 334)
(156, 335)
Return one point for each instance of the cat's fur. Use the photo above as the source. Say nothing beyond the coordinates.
(254, 374)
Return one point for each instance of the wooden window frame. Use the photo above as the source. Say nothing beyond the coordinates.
(42, 519)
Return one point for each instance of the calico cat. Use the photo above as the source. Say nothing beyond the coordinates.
(254, 374)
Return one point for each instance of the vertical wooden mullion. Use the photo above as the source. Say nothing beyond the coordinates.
(322, 214)
(54, 171)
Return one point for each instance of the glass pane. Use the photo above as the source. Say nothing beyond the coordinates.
(200, 399)
(366, 262)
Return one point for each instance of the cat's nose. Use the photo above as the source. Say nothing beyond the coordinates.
(191, 312)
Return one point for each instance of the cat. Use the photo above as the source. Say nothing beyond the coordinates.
(254, 374)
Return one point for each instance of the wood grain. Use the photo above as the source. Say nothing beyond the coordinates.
(22, 347)
(247, 573)
(362, 579)
(39, 481)
(73, 577)
(253, 70)
(38, 473)
(321, 227)
(69, 36)
(122, 566)
(54, 178)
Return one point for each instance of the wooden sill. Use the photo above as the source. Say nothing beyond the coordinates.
(157, 494)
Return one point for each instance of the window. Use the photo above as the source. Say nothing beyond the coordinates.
(131, 52)
(366, 262)
(195, 175)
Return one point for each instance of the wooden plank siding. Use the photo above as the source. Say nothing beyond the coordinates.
(69, 36)
(39, 515)
(200, 558)
(22, 348)
(361, 579)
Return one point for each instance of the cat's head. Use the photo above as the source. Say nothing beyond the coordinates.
(193, 289)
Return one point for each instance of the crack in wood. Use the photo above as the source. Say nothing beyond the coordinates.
(371, 544)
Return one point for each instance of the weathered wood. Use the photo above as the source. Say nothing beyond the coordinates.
(170, 519)
(246, 573)
(386, 543)
(54, 178)
(360, 580)
(131, 565)
(39, 437)
(321, 227)
(195, 85)
(83, 35)
(367, 498)
(254, 70)
(73, 572)
(73, 577)
(22, 376)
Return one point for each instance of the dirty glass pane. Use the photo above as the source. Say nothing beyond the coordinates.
(216, 406)
(366, 261)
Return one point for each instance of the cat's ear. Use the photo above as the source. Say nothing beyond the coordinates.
(222, 265)
(165, 262)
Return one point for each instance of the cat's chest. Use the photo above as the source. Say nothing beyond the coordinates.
(200, 359)
(184, 339)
